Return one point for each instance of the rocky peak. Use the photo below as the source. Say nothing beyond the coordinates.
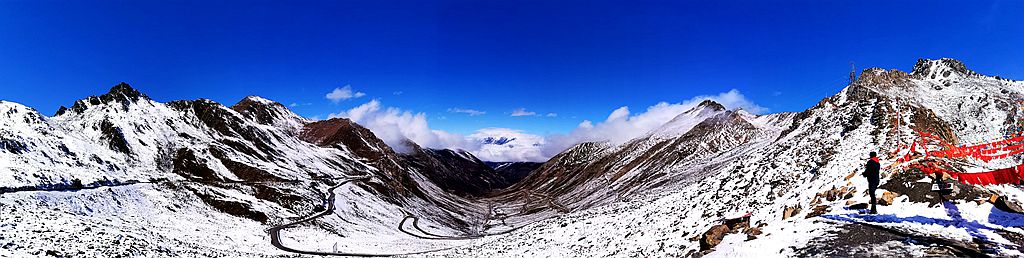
(265, 111)
(685, 121)
(880, 77)
(345, 134)
(942, 68)
(722, 121)
(710, 104)
(121, 93)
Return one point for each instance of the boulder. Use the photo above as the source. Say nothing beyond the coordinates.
(1007, 205)
(887, 198)
(713, 236)
(790, 212)
(738, 224)
(860, 206)
(851, 175)
(818, 211)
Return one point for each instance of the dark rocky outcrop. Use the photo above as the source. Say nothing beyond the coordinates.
(234, 208)
(222, 120)
(455, 171)
(188, 165)
(114, 137)
(121, 93)
(242, 171)
(513, 172)
(13, 146)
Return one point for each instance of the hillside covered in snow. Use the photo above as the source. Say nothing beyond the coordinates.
(123, 175)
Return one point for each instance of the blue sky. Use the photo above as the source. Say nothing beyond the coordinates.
(578, 59)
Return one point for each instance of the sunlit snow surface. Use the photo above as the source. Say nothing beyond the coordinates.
(654, 207)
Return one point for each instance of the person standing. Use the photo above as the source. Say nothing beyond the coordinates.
(871, 172)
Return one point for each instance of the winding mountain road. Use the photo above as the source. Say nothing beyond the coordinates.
(275, 232)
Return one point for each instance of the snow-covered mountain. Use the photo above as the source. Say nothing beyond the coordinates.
(513, 171)
(196, 178)
(795, 173)
(457, 171)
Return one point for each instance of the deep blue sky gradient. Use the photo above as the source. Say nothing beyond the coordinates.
(580, 59)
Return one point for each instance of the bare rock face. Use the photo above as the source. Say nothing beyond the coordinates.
(882, 77)
(835, 194)
(715, 234)
(925, 120)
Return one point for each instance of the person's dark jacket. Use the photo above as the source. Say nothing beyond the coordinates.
(871, 171)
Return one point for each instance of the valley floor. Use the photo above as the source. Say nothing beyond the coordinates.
(124, 220)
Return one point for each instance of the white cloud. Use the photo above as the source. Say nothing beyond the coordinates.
(523, 112)
(393, 125)
(552, 114)
(343, 93)
(621, 125)
(397, 93)
(733, 99)
(470, 112)
(503, 144)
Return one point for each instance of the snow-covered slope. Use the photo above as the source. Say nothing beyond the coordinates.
(190, 178)
(795, 173)
(196, 178)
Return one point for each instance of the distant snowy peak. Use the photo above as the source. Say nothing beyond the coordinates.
(503, 144)
(268, 112)
(682, 123)
(497, 140)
